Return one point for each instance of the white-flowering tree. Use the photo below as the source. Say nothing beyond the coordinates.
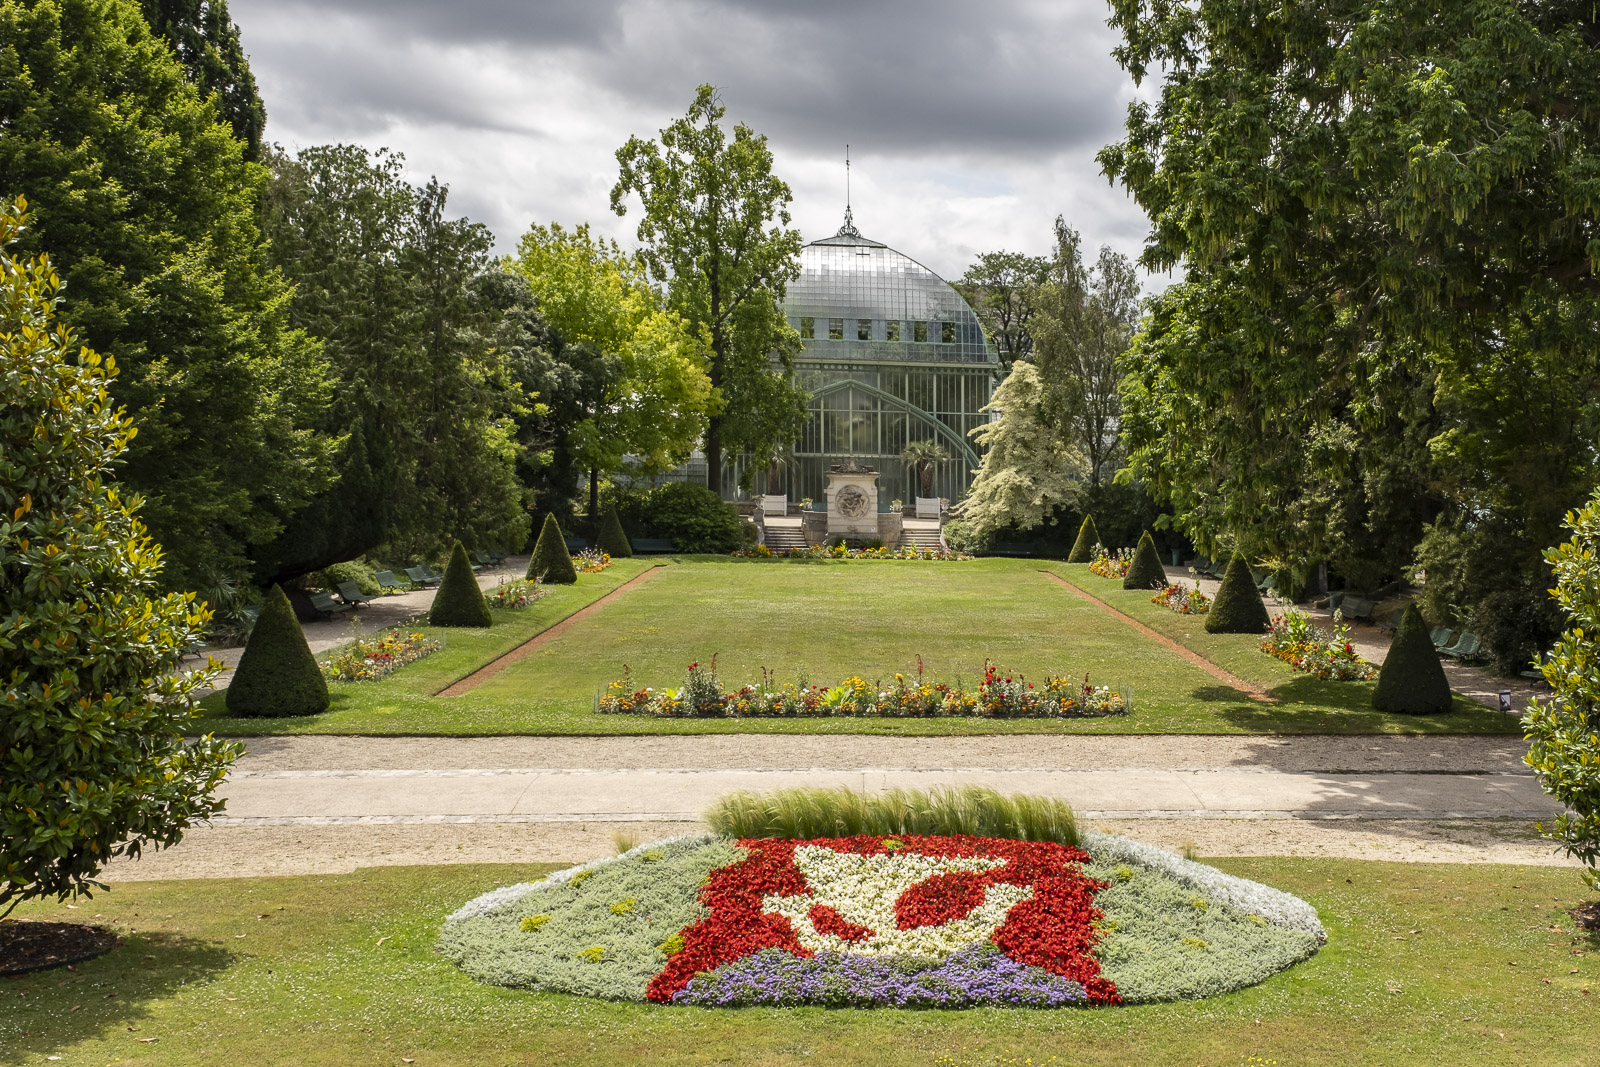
(1028, 470)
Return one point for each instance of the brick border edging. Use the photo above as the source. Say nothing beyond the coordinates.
(1226, 677)
(540, 639)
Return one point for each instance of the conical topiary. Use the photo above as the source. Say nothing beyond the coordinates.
(551, 562)
(1083, 547)
(1411, 679)
(1238, 607)
(1146, 571)
(612, 541)
(459, 601)
(277, 675)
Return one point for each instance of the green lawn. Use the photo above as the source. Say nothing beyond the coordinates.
(830, 619)
(1426, 964)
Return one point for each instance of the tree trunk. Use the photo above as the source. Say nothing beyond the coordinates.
(594, 504)
(772, 479)
(714, 456)
(926, 475)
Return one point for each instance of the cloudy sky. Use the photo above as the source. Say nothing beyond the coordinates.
(970, 125)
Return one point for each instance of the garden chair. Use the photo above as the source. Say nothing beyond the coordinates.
(576, 545)
(387, 581)
(650, 544)
(1390, 622)
(420, 576)
(1442, 636)
(1355, 609)
(324, 604)
(483, 558)
(1465, 648)
(351, 594)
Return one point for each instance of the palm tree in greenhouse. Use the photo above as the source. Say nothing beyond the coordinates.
(921, 457)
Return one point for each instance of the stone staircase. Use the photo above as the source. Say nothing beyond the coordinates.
(921, 534)
(783, 535)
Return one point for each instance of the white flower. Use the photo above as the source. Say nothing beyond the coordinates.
(864, 890)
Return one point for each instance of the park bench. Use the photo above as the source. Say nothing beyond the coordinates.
(423, 577)
(1466, 647)
(351, 594)
(480, 556)
(576, 545)
(324, 604)
(1355, 609)
(387, 581)
(650, 544)
(1011, 548)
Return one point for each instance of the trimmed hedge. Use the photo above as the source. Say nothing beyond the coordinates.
(1146, 571)
(277, 675)
(551, 562)
(1083, 547)
(1238, 607)
(459, 601)
(1412, 679)
(612, 540)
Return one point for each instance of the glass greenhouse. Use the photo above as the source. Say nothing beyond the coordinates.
(891, 354)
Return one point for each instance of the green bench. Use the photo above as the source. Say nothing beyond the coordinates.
(324, 604)
(650, 544)
(1011, 548)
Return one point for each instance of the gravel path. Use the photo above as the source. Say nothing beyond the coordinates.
(848, 751)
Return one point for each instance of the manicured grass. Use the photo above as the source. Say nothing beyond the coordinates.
(1425, 964)
(826, 620)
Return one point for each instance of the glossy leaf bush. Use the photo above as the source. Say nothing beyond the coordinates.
(94, 704)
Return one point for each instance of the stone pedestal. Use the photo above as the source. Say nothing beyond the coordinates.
(853, 503)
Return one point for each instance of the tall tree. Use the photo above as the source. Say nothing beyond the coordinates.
(426, 402)
(1082, 324)
(655, 409)
(1000, 287)
(206, 41)
(1387, 218)
(1028, 469)
(148, 201)
(716, 230)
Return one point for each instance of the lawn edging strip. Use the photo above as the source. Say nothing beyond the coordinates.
(538, 640)
(1226, 677)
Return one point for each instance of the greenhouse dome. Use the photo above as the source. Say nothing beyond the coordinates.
(891, 354)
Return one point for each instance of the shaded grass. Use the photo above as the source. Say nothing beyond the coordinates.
(821, 621)
(341, 970)
(817, 812)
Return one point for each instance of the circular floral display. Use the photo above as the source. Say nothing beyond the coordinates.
(907, 921)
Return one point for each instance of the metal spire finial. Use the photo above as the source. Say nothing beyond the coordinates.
(849, 227)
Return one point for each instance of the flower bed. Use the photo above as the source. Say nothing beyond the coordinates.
(841, 552)
(998, 696)
(1303, 645)
(1183, 601)
(1111, 564)
(515, 594)
(885, 921)
(591, 561)
(369, 659)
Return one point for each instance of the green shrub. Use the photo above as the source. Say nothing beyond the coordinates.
(277, 675)
(817, 812)
(872, 543)
(1146, 571)
(91, 691)
(1083, 547)
(459, 601)
(612, 540)
(1238, 607)
(353, 570)
(1565, 728)
(551, 562)
(1411, 680)
(691, 516)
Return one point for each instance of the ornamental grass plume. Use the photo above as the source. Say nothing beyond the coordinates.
(812, 811)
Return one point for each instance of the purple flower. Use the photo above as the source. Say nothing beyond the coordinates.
(977, 975)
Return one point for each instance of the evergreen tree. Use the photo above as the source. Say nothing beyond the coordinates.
(1083, 547)
(1146, 571)
(459, 601)
(206, 41)
(91, 689)
(551, 562)
(1028, 470)
(147, 201)
(612, 540)
(277, 675)
(1238, 607)
(1412, 680)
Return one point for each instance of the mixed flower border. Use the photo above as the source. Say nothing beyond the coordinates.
(369, 658)
(885, 921)
(1000, 695)
(841, 552)
(1305, 646)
